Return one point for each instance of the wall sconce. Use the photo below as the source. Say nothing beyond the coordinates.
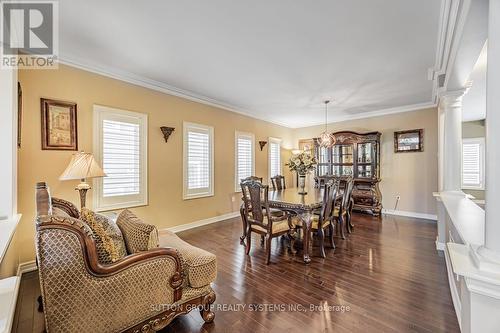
(262, 144)
(166, 132)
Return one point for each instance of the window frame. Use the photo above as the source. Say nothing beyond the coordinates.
(276, 141)
(482, 171)
(186, 195)
(102, 113)
(237, 135)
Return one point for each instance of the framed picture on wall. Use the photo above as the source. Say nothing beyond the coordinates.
(59, 128)
(409, 141)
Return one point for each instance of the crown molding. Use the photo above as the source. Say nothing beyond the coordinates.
(185, 94)
(144, 82)
(376, 113)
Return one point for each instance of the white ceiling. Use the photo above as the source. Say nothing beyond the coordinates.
(275, 60)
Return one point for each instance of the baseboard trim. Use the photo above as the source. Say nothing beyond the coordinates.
(200, 223)
(410, 214)
(26, 267)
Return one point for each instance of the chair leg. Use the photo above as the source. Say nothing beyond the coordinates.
(341, 226)
(350, 214)
(244, 223)
(268, 249)
(348, 223)
(292, 243)
(249, 241)
(331, 232)
(321, 240)
(40, 303)
(206, 310)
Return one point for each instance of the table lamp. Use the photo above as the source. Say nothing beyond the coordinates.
(82, 166)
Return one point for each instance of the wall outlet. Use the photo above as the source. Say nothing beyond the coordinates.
(233, 199)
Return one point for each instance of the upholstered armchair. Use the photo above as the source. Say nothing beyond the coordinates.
(142, 292)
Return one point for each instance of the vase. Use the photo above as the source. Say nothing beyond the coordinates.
(302, 184)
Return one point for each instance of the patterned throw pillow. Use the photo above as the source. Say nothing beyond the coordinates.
(109, 240)
(139, 236)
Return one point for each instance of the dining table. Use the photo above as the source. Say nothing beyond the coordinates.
(292, 201)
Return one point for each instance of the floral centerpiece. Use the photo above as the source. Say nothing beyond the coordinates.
(302, 163)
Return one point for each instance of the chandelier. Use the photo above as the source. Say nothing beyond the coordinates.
(326, 139)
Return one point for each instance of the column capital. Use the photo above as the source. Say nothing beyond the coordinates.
(452, 98)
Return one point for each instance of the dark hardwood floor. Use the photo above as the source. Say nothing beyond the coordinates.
(385, 277)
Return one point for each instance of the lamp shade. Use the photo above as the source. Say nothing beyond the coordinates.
(82, 165)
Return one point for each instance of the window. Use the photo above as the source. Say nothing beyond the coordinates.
(274, 157)
(244, 157)
(473, 164)
(120, 145)
(198, 161)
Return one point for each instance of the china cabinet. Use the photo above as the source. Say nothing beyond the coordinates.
(354, 155)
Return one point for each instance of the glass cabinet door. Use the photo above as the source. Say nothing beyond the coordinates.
(343, 154)
(323, 155)
(365, 152)
(365, 171)
(342, 170)
(323, 170)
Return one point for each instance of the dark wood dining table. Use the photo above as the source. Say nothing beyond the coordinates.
(303, 205)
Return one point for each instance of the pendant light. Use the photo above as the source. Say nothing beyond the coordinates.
(326, 139)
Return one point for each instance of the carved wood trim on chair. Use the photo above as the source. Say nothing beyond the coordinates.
(66, 206)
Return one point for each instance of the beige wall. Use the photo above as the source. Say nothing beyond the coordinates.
(166, 207)
(413, 176)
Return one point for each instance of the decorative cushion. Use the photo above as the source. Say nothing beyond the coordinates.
(109, 240)
(138, 235)
(297, 221)
(278, 226)
(199, 266)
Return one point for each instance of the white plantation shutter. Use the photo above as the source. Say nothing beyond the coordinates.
(274, 157)
(198, 160)
(473, 163)
(244, 157)
(121, 148)
(120, 158)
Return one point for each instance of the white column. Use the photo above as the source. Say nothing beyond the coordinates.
(441, 115)
(492, 226)
(8, 142)
(450, 104)
(449, 154)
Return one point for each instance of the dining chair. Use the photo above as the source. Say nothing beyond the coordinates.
(320, 181)
(324, 219)
(259, 218)
(242, 210)
(278, 182)
(342, 212)
(259, 179)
